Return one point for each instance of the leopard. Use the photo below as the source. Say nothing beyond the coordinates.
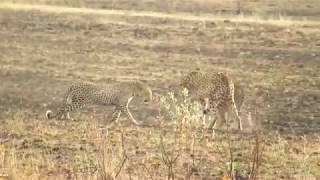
(117, 94)
(216, 92)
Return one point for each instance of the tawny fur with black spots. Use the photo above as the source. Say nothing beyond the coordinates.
(120, 94)
(216, 92)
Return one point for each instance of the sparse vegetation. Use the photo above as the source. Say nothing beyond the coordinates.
(273, 53)
(293, 8)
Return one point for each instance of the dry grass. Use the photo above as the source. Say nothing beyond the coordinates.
(42, 150)
(43, 48)
(279, 20)
(293, 8)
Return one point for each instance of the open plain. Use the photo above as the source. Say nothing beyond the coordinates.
(44, 47)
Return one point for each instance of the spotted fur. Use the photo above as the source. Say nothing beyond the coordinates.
(82, 94)
(216, 91)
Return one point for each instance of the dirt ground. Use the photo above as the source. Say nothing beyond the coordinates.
(42, 52)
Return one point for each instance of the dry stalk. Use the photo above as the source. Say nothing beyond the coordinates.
(256, 161)
(239, 7)
(104, 175)
(192, 169)
(119, 167)
(169, 159)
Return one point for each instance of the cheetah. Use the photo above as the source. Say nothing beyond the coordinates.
(82, 94)
(216, 92)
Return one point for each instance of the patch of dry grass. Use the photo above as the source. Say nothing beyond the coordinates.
(43, 48)
(278, 20)
(35, 148)
(294, 8)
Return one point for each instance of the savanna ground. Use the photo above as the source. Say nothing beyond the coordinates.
(270, 47)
